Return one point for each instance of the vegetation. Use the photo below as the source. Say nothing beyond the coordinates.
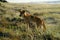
(3, 1)
(12, 26)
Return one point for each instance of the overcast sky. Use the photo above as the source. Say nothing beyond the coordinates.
(25, 1)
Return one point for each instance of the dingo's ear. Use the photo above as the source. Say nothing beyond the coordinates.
(21, 11)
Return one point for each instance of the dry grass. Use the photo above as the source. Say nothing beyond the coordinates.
(49, 12)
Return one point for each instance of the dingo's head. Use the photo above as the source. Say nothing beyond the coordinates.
(24, 13)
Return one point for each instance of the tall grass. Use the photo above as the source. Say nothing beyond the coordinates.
(19, 31)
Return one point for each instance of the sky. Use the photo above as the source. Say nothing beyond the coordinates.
(25, 1)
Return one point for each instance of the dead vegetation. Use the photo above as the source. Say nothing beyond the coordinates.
(12, 27)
